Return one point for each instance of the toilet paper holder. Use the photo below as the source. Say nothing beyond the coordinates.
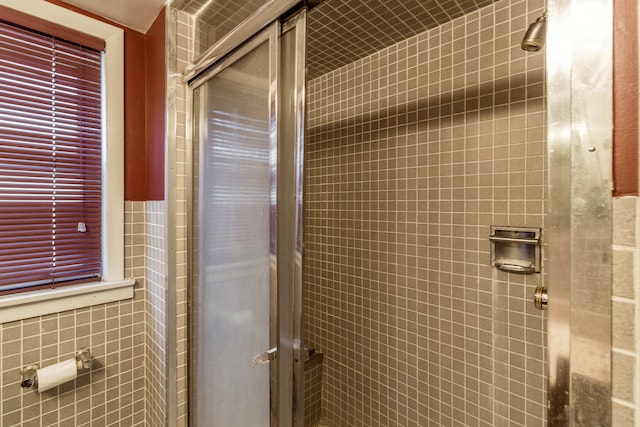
(29, 373)
(84, 358)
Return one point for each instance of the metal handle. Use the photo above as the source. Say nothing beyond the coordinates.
(265, 357)
(514, 240)
(515, 268)
(541, 298)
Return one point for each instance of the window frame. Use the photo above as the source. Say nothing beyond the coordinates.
(113, 286)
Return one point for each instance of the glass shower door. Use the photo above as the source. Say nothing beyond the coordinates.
(234, 244)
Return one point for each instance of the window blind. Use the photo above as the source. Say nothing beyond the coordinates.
(50, 160)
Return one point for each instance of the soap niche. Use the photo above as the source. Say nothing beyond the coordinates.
(515, 249)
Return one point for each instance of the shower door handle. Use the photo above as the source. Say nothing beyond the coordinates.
(265, 357)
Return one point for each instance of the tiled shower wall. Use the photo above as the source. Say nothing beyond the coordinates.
(181, 57)
(125, 338)
(156, 314)
(413, 153)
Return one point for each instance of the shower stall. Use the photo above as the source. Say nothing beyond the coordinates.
(385, 138)
(245, 212)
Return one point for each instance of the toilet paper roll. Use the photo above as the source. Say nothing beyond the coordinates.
(54, 375)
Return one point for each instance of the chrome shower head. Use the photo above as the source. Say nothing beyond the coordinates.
(534, 38)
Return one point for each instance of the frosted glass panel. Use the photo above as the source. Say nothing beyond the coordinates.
(232, 292)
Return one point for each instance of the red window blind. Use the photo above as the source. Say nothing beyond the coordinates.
(50, 160)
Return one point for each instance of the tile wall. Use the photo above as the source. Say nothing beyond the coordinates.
(211, 21)
(340, 32)
(413, 153)
(215, 20)
(183, 55)
(312, 394)
(110, 394)
(156, 314)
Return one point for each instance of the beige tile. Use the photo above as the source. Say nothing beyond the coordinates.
(623, 374)
(624, 220)
(622, 279)
(623, 325)
(622, 416)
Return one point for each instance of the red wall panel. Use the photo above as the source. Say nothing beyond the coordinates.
(135, 149)
(145, 105)
(156, 84)
(625, 98)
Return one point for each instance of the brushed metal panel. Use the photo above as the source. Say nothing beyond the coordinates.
(579, 52)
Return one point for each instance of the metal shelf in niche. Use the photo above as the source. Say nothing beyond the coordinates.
(515, 249)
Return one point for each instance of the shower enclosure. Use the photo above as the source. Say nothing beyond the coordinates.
(423, 126)
(246, 245)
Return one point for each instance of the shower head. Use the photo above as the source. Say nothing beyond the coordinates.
(534, 38)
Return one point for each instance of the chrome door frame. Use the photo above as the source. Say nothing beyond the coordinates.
(579, 89)
(291, 142)
(269, 35)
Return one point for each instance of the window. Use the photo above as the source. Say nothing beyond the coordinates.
(107, 283)
(50, 160)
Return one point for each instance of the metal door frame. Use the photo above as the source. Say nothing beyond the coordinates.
(269, 35)
(579, 90)
(291, 136)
